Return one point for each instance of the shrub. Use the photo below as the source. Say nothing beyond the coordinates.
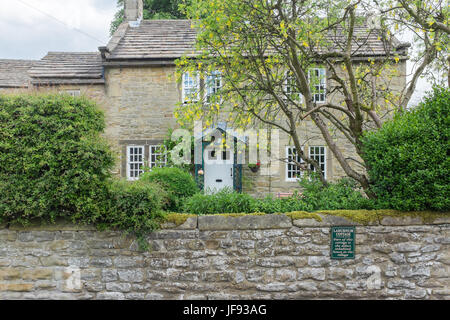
(169, 145)
(340, 195)
(134, 206)
(407, 158)
(178, 183)
(224, 201)
(52, 160)
(272, 205)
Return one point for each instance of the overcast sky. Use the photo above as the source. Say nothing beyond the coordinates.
(31, 28)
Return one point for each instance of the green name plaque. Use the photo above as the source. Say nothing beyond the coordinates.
(343, 242)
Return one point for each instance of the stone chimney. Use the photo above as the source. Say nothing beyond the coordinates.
(134, 10)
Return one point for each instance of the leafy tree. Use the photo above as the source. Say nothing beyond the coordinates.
(428, 21)
(260, 45)
(408, 159)
(153, 9)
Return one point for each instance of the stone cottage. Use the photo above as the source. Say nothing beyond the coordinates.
(132, 80)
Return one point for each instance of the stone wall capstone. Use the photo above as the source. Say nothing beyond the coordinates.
(221, 257)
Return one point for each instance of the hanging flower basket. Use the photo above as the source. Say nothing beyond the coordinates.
(255, 167)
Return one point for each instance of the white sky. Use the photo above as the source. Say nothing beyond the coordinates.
(31, 28)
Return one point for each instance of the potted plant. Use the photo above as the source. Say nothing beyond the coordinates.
(255, 166)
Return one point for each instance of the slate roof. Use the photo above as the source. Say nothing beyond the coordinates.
(68, 67)
(153, 39)
(366, 42)
(14, 73)
(170, 39)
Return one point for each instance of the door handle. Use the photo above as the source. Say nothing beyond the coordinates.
(219, 180)
(231, 170)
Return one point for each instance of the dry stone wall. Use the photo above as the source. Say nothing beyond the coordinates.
(220, 257)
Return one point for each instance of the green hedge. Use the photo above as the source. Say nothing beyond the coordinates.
(178, 183)
(133, 206)
(53, 161)
(408, 158)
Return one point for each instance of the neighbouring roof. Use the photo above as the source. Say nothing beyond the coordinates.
(14, 73)
(68, 68)
(170, 39)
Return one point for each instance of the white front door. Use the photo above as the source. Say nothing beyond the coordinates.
(218, 165)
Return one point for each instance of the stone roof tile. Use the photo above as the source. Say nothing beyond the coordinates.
(68, 66)
(170, 39)
(155, 39)
(14, 73)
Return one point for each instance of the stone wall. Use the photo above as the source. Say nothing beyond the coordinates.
(220, 257)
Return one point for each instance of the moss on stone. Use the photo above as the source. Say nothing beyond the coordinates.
(234, 215)
(359, 216)
(364, 217)
(178, 218)
(370, 216)
(297, 215)
(426, 216)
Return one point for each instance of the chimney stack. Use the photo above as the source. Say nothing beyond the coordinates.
(133, 10)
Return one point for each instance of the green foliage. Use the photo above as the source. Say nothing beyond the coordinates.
(224, 201)
(408, 158)
(276, 205)
(153, 9)
(134, 206)
(53, 161)
(340, 195)
(168, 146)
(54, 164)
(178, 183)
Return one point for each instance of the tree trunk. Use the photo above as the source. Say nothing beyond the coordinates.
(360, 178)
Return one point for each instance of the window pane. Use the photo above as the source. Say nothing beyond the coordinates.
(157, 157)
(190, 87)
(293, 171)
(318, 154)
(213, 84)
(135, 162)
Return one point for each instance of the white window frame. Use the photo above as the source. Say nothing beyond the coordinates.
(195, 85)
(215, 89)
(324, 162)
(135, 162)
(154, 164)
(292, 148)
(322, 83)
(72, 93)
(288, 88)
